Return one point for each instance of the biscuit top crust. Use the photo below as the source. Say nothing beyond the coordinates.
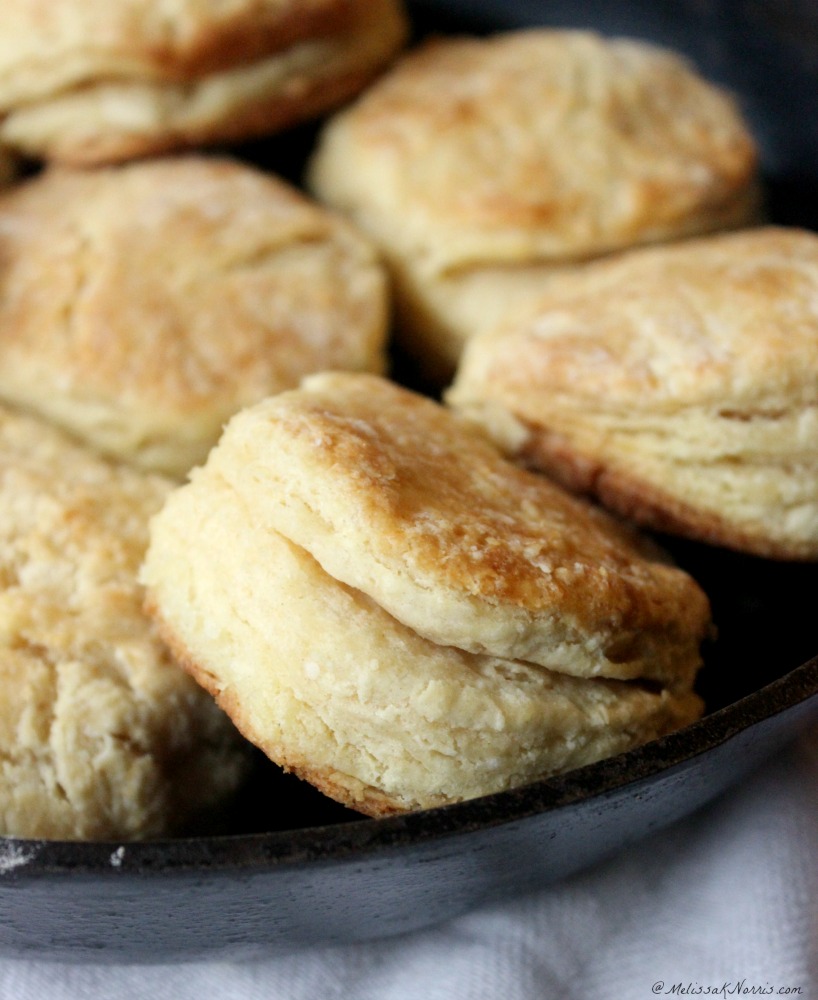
(176, 289)
(73, 530)
(728, 323)
(101, 734)
(71, 524)
(395, 496)
(536, 145)
(48, 47)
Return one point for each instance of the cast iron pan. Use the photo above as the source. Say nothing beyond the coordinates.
(293, 869)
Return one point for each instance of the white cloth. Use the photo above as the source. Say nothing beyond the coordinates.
(725, 901)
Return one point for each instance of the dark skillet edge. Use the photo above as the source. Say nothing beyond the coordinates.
(366, 836)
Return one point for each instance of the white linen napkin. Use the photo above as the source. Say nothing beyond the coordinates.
(722, 904)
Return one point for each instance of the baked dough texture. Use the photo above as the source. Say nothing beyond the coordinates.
(89, 81)
(102, 736)
(394, 497)
(142, 305)
(481, 165)
(390, 609)
(676, 383)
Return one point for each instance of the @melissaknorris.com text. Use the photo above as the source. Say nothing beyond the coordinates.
(741, 988)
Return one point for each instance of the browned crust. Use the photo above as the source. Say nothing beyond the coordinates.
(644, 503)
(253, 33)
(370, 802)
(460, 142)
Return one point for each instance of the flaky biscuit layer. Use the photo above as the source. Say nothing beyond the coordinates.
(676, 383)
(88, 83)
(102, 736)
(332, 687)
(395, 497)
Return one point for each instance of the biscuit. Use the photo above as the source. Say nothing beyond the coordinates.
(394, 497)
(354, 575)
(482, 165)
(177, 291)
(102, 736)
(96, 82)
(675, 383)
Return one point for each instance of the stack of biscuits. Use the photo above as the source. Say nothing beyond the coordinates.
(403, 601)
(142, 303)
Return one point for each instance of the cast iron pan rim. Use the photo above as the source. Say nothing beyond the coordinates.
(265, 851)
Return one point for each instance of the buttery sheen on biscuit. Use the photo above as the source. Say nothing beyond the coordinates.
(481, 165)
(90, 81)
(387, 607)
(676, 383)
(142, 305)
(102, 736)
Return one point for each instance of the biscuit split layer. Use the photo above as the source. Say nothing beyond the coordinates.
(177, 292)
(353, 574)
(102, 735)
(395, 498)
(481, 165)
(675, 383)
(97, 82)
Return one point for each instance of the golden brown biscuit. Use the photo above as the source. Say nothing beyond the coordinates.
(101, 734)
(675, 383)
(354, 575)
(177, 291)
(94, 82)
(332, 687)
(480, 165)
(394, 497)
